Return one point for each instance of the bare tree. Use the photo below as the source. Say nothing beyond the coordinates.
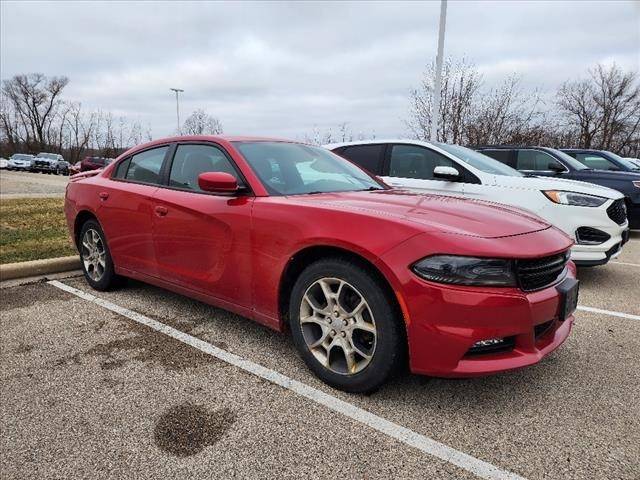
(461, 83)
(201, 123)
(603, 110)
(35, 100)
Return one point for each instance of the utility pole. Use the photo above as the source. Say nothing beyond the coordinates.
(435, 109)
(178, 91)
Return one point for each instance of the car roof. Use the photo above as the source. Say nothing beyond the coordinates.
(409, 141)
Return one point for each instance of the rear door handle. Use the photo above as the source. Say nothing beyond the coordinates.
(103, 195)
(161, 211)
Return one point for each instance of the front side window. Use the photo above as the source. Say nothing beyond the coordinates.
(535, 160)
(293, 168)
(192, 160)
(597, 162)
(412, 161)
(145, 166)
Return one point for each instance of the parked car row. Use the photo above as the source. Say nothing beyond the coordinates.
(366, 276)
(53, 163)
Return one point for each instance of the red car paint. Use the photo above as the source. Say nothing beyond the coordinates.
(232, 252)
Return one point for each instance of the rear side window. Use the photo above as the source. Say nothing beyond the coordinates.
(145, 167)
(535, 160)
(192, 160)
(368, 157)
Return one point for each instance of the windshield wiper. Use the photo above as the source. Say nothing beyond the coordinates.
(370, 189)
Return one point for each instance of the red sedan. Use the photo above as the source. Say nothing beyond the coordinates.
(298, 238)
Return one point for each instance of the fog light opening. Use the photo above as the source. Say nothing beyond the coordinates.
(492, 345)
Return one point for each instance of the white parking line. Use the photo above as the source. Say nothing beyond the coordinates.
(425, 444)
(609, 312)
(627, 263)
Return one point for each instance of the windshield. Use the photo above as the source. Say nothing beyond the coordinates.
(21, 156)
(51, 156)
(293, 168)
(479, 161)
(568, 159)
(627, 163)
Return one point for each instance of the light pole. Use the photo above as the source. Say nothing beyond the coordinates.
(178, 91)
(435, 109)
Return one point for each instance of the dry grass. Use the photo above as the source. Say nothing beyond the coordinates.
(33, 228)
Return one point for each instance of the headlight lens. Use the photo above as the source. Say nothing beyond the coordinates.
(573, 198)
(466, 270)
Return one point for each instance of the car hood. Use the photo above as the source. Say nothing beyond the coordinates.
(546, 183)
(432, 212)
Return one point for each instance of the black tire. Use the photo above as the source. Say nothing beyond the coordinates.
(390, 344)
(108, 279)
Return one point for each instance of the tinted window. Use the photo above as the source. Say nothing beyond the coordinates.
(503, 156)
(121, 169)
(597, 162)
(292, 168)
(412, 161)
(535, 160)
(145, 166)
(368, 157)
(192, 160)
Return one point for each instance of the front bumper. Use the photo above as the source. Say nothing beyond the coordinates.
(446, 321)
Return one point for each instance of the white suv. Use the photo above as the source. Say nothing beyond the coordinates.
(594, 216)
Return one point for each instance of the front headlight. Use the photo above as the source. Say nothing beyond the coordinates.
(466, 270)
(636, 183)
(573, 198)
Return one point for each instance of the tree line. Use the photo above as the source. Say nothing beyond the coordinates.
(34, 117)
(599, 111)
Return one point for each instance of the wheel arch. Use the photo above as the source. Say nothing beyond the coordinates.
(81, 218)
(301, 259)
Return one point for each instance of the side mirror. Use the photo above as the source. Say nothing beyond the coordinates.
(555, 167)
(446, 173)
(217, 182)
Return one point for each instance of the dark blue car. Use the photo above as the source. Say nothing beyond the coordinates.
(549, 162)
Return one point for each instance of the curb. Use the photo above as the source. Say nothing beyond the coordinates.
(11, 271)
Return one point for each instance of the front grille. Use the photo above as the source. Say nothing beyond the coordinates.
(591, 236)
(617, 211)
(541, 272)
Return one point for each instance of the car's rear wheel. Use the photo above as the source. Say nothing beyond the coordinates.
(344, 325)
(95, 257)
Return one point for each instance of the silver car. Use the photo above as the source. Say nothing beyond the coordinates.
(21, 161)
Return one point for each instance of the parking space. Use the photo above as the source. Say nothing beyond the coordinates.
(31, 185)
(93, 391)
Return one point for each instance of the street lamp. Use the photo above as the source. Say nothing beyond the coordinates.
(178, 91)
(435, 109)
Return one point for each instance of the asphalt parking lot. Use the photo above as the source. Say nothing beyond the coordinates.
(88, 392)
(31, 185)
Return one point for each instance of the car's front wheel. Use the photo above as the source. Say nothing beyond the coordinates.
(95, 257)
(345, 326)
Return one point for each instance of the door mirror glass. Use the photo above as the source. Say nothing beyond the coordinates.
(217, 182)
(446, 173)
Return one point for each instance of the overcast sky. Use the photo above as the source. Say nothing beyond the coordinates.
(283, 68)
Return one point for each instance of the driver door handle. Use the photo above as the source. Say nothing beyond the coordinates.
(161, 211)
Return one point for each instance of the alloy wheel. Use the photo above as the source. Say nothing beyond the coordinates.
(94, 254)
(338, 326)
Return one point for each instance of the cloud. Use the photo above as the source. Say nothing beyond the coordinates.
(282, 68)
